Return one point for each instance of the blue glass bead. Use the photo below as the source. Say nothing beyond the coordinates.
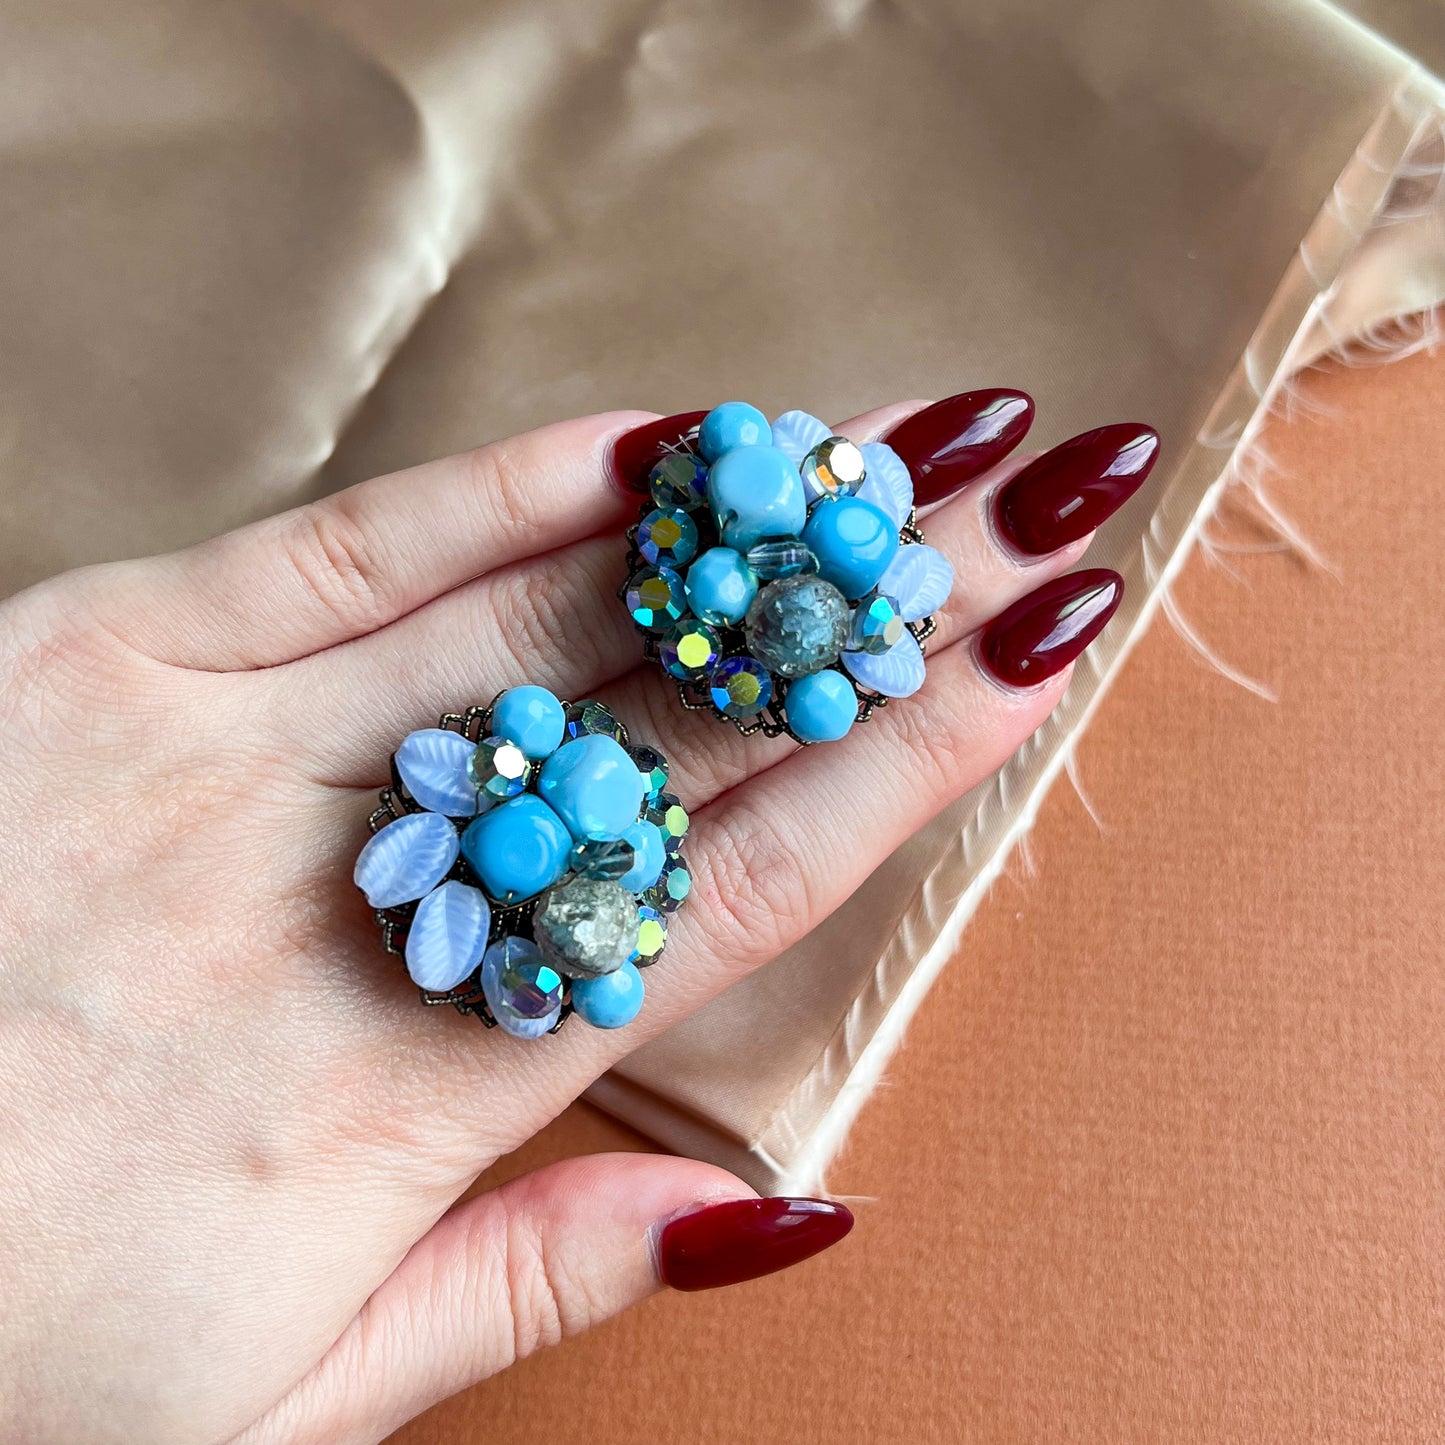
(797, 625)
(648, 855)
(591, 716)
(691, 650)
(756, 494)
(406, 859)
(721, 586)
(593, 786)
(853, 541)
(519, 848)
(447, 936)
(611, 1001)
(672, 888)
(530, 717)
(729, 426)
(523, 991)
(679, 480)
(877, 624)
(741, 687)
(608, 862)
(653, 767)
(822, 707)
(655, 598)
(667, 537)
(432, 762)
(783, 558)
(651, 936)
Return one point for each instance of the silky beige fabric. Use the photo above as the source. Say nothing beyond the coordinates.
(258, 251)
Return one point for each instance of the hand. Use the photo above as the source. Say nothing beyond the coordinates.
(231, 1139)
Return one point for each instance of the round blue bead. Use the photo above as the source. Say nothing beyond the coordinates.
(822, 707)
(729, 426)
(518, 848)
(593, 786)
(611, 1001)
(530, 717)
(854, 542)
(721, 586)
(649, 854)
(756, 494)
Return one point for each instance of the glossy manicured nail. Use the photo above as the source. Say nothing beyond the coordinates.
(1066, 493)
(948, 444)
(746, 1238)
(635, 453)
(1041, 634)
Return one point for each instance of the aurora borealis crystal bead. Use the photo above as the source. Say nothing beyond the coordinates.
(499, 770)
(608, 862)
(587, 926)
(667, 537)
(653, 767)
(656, 598)
(523, 991)
(651, 936)
(741, 687)
(669, 892)
(797, 625)
(679, 480)
(591, 716)
(781, 558)
(834, 468)
(691, 650)
(877, 624)
(671, 820)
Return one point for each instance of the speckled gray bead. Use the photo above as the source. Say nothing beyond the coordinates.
(797, 625)
(586, 927)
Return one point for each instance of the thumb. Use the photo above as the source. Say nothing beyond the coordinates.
(543, 1257)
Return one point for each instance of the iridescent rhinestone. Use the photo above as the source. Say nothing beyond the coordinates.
(691, 650)
(591, 716)
(653, 767)
(667, 537)
(671, 819)
(741, 687)
(877, 624)
(587, 926)
(669, 892)
(797, 625)
(499, 770)
(679, 480)
(655, 598)
(834, 468)
(604, 861)
(651, 936)
(523, 991)
(784, 558)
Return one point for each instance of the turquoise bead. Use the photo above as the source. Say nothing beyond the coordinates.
(593, 786)
(721, 586)
(530, 717)
(854, 542)
(611, 1001)
(756, 494)
(729, 426)
(822, 707)
(518, 848)
(649, 853)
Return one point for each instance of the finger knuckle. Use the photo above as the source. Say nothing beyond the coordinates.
(759, 895)
(547, 612)
(501, 476)
(547, 1301)
(339, 564)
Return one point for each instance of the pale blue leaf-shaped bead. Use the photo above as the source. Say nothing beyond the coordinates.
(895, 673)
(888, 484)
(407, 859)
(433, 765)
(795, 434)
(448, 936)
(919, 579)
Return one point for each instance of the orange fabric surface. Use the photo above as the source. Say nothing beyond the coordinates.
(1161, 1159)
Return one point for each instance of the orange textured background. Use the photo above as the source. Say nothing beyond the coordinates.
(1161, 1160)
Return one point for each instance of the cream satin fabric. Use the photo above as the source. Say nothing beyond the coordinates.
(257, 251)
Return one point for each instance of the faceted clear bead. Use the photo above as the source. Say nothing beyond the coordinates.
(499, 770)
(590, 716)
(669, 892)
(834, 468)
(877, 624)
(691, 650)
(797, 625)
(667, 537)
(655, 598)
(741, 687)
(784, 558)
(670, 818)
(523, 991)
(679, 480)
(653, 767)
(586, 926)
(604, 861)
(651, 936)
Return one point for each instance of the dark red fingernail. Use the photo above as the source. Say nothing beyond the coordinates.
(635, 453)
(746, 1238)
(1041, 634)
(1066, 493)
(948, 444)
